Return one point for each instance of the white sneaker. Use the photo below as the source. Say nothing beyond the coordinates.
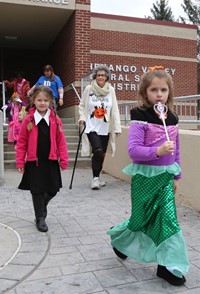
(102, 183)
(95, 185)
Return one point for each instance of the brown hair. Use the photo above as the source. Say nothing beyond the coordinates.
(49, 67)
(146, 81)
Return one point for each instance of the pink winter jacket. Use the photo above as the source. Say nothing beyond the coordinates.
(26, 148)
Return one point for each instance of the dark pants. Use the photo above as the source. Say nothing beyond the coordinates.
(99, 145)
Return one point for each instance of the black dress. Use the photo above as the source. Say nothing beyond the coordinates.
(44, 175)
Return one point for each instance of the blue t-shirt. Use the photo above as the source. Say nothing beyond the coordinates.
(54, 85)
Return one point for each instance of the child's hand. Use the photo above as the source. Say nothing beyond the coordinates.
(166, 148)
(81, 122)
(60, 102)
(4, 107)
(29, 93)
(21, 170)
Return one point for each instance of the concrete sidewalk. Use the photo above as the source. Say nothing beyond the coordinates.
(75, 256)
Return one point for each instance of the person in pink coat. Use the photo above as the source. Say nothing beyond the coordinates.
(19, 85)
(41, 151)
(13, 108)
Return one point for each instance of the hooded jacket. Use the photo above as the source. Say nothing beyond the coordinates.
(26, 148)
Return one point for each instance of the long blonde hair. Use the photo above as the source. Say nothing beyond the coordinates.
(146, 81)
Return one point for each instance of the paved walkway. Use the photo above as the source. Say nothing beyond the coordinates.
(75, 256)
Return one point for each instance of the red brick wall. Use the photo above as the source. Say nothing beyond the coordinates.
(145, 44)
(82, 43)
(185, 75)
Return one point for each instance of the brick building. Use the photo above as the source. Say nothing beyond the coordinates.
(73, 40)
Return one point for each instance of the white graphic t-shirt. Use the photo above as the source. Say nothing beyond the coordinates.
(99, 114)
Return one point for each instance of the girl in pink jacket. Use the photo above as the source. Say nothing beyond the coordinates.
(40, 149)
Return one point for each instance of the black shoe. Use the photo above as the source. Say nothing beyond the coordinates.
(41, 225)
(119, 254)
(163, 273)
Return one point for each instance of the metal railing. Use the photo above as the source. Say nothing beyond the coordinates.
(3, 90)
(187, 108)
(77, 94)
(124, 110)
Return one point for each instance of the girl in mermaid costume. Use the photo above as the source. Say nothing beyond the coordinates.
(152, 233)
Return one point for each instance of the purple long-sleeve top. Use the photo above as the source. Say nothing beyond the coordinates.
(144, 138)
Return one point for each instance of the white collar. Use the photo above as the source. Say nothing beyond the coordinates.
(38, 117)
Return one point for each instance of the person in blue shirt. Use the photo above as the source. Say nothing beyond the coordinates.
(54, 82)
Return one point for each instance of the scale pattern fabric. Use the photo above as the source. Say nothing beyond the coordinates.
(154, 213)
(152, 230)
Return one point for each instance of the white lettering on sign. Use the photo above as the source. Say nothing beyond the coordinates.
(126, 77)
(58, 2)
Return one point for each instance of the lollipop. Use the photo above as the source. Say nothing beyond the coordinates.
(161, 110)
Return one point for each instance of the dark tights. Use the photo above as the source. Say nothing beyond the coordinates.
(40, 202)
(99, 146)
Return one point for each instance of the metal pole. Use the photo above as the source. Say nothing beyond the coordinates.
(77, 94)
(1, 151)
(4, 102)
(126, 114)
(198, 109)
(2, 62)
(79, 142)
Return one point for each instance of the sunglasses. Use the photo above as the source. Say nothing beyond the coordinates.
(103, 75)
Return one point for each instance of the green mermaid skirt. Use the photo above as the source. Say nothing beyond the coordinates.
(152, 233)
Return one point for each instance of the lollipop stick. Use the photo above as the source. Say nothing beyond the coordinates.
(164, 124)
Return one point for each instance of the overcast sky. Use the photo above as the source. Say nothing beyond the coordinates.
(134, 8)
